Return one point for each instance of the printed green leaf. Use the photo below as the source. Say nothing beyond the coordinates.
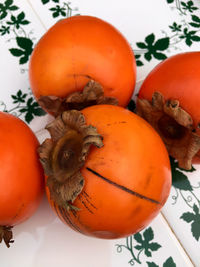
(4, 30)
(151, 47)
(144, 242)
(138, 247)
(195, 25)
(195, 18)
(160, 56)
(45, 1)
(175, 27)
(154, 246)
(8, 3)
(138, 237)
(150, 39)
(189, 6)
(196, 209)
(19, 20)
(32, 109)
(195, 21)
(58, 11)
(148, 56)
(56, 1)
(151, 264)
(141, 45)
(189, 36)
(138, 61)
(169, 263)
(195, 227)
(148, 234)
(23, 59)
(170, 1)
(188, 217)
(194, 219)
(25, 43)
(162, 44)
(7, 6)
(16, 52)
(27, 48)
(179, 179)
(19, 97)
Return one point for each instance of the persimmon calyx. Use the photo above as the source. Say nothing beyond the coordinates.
(6, 235)
(63, 155)
(92, 94)
(174, 125)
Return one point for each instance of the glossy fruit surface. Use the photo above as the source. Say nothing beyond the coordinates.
(21, 175)
(127, 181)
(78, 49)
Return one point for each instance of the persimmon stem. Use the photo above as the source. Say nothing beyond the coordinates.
(6, 235)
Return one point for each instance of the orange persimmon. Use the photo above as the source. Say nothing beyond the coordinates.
(172, 89)
(125, 180)
(78, 49)
(21, 174)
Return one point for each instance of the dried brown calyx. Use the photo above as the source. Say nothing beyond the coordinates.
(6, 235)
(92, 94)
(63, 155)
(174, 125)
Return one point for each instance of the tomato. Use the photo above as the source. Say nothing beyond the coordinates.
(79, 49)
(178, 80)
(21, 174)
(126, 181)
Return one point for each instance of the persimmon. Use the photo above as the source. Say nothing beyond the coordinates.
(169, 100)
(75, 51)
(21, 174)
(107, 171)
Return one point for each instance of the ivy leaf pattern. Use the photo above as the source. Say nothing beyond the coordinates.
(153, 47)
(4, 30)
(189, 37)
(7, 6)
(169, 263)
(175, 27)
(32, 109)
(151, 264)
(195, 21)
(189, 6)
(194, 219)
(170, 1)
(45, 1)
(26, 46)
(19, 97)
(139, 63)
(179, 179)
(144, 242)
(58, 11)
(19, 20)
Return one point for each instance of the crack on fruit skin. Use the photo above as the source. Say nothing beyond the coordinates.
(63, 155)
(174, 125)
(126, 189)
(92, 94)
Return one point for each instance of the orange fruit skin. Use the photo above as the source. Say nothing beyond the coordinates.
(133, 159)
(21, 175)
(177, 77)
(78, 49)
